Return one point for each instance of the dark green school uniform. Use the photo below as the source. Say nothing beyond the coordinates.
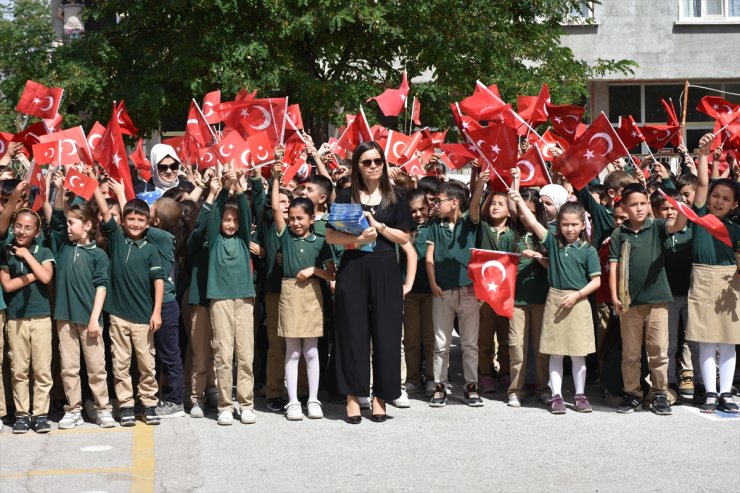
(707, 250)
(134, 266)
(3, 243)
(678, 260)
(165, 243)
(421, 281)
(531, 277)
(33, 299)
(602, 218)
(490, 238)
(197, 247)
(648, 283)
(301, 253)
(229, 272)
(452, 251)
(571, 267)
(81, 270)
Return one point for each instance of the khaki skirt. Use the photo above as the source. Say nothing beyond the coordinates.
(714, 304)
(301, 309)
(567, 331)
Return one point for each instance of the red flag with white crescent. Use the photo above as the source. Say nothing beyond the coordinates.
(710, 222)
(210, 102)
(262, 150)
(230, 148)
(416, 111)
(5, 140)
(40, 101)
(658, 136)
(483, 104)
(719, 108)
(31, 135)
(111, 154)
(629, 132)
(74, 143)
(53, 124)
(497, 145)
(395, 145)
(393, 101)
(532, 168)
(79, 184)
(494, 278)
(124, 120)
(141, 163)
(565, 119)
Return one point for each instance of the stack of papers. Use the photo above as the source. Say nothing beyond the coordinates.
(349, 218)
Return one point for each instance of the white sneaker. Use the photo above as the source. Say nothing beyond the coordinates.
(513, 401)
(364, 402)
(225, 418)
(403, 401)
(1, 425)
(314, 410)
(430, 388)
(196, 411)
(293, 411)
(249, 418)
(71, 420)
(105, 419)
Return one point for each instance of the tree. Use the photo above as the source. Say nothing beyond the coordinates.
(323, 54)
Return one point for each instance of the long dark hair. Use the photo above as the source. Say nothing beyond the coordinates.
(577, 209)
(357, 184)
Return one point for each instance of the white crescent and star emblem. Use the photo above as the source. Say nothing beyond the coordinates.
(72, 145)
(49, 153)
(529, 166)
(491, 285)
(48, 106)
(118, 116)
(576, 120)
(2, 147)
(91, 140)
(210, 109)
(607, 139)
(222, 152)
(207, 157)
(262, 157)
(395, 151)
(266, 123)
(72, 181)
(244, 158)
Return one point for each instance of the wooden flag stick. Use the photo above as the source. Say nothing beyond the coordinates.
(684, 110)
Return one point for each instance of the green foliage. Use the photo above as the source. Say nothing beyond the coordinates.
(321, 53)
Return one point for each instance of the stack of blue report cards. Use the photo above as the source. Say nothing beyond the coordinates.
(349, 218)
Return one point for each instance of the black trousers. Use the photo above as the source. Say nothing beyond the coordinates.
(369, 307)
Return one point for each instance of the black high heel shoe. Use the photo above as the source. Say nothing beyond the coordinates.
(379, 418)
(354, 419)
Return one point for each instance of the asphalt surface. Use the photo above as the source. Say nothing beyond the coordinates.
(493, 448)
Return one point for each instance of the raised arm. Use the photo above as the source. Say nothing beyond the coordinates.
(702, 171)
(7, 215)
(478, 195)
(277, 214)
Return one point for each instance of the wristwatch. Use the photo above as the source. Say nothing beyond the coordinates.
(381, 227)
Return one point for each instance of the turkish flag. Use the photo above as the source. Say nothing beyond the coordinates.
(5, 140)
(483, 104)
(719, 109)
(141, 163)
(261, 115)
(357, 132)
(413, 167)
(262, 150)
(549, 141)
(211, 101)
(438, 138)
(294, 113)
(458, 155)
(53, 124)
(534, 108)
(497, 145)
(197, 127)
(124, 120)
(395, 145)
(604, 294)
(35, 177)
(73, 141)
(671, 111)
(590, 153)
(729, 138)
(93, 137)
(79, 184)
(111, 154)
(206, 158)
(565, 119)
(658, 136)
(47, 153)
(230, 147)
(710, 222)
(178, 144)
(532, 168)
(416, 111)
(295, 163)
(494, 278)
(31, 135)
(393, 101)
(629, 132)
(40, 101)
(245, 95)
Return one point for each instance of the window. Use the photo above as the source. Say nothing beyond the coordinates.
(582, 10)
(709, 10)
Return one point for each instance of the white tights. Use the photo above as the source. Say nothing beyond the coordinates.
(707, 353)
(293, 346)
(556, 373)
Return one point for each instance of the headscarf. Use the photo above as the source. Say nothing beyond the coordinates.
(558, 194)
(159, 152)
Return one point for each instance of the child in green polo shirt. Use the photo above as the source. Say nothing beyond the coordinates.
(494, 233)
(81, 286)
(306, 258)
(231, 290)
(26, 269)
(134, 304)
(447, 259)
(645, 320)
(573, 274)
(715, 283)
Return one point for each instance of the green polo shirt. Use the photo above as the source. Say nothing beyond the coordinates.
(33, 299)
(678, 260)
(229, 272)
(197, 246)
(490, 238)
(708, 250)
(301, 253)
(571, 267)
(531, 278)
(421, 281)
(452, 244)
(134, 266)
(602, 218)
(81, 270)
(3, 243)
(648, 282)
(165, 243)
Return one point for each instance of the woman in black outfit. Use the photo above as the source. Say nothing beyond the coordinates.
(368, 295)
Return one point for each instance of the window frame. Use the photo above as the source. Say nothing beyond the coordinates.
(705, 18)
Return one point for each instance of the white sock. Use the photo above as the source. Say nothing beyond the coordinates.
(579, 373)
(292, 357)
(313, 368)
(726, 367)
(707, 353)
(556, 374)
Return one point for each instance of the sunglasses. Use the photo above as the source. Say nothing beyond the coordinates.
(369, 162)
(164, 167)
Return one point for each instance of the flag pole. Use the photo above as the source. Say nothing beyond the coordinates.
(625, 147)
(480, 153)
(684, 108)
(511, 110)
(285, 115)
(549, 178)
(213, 135)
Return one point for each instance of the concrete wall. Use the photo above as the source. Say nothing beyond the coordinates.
(648, 32)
